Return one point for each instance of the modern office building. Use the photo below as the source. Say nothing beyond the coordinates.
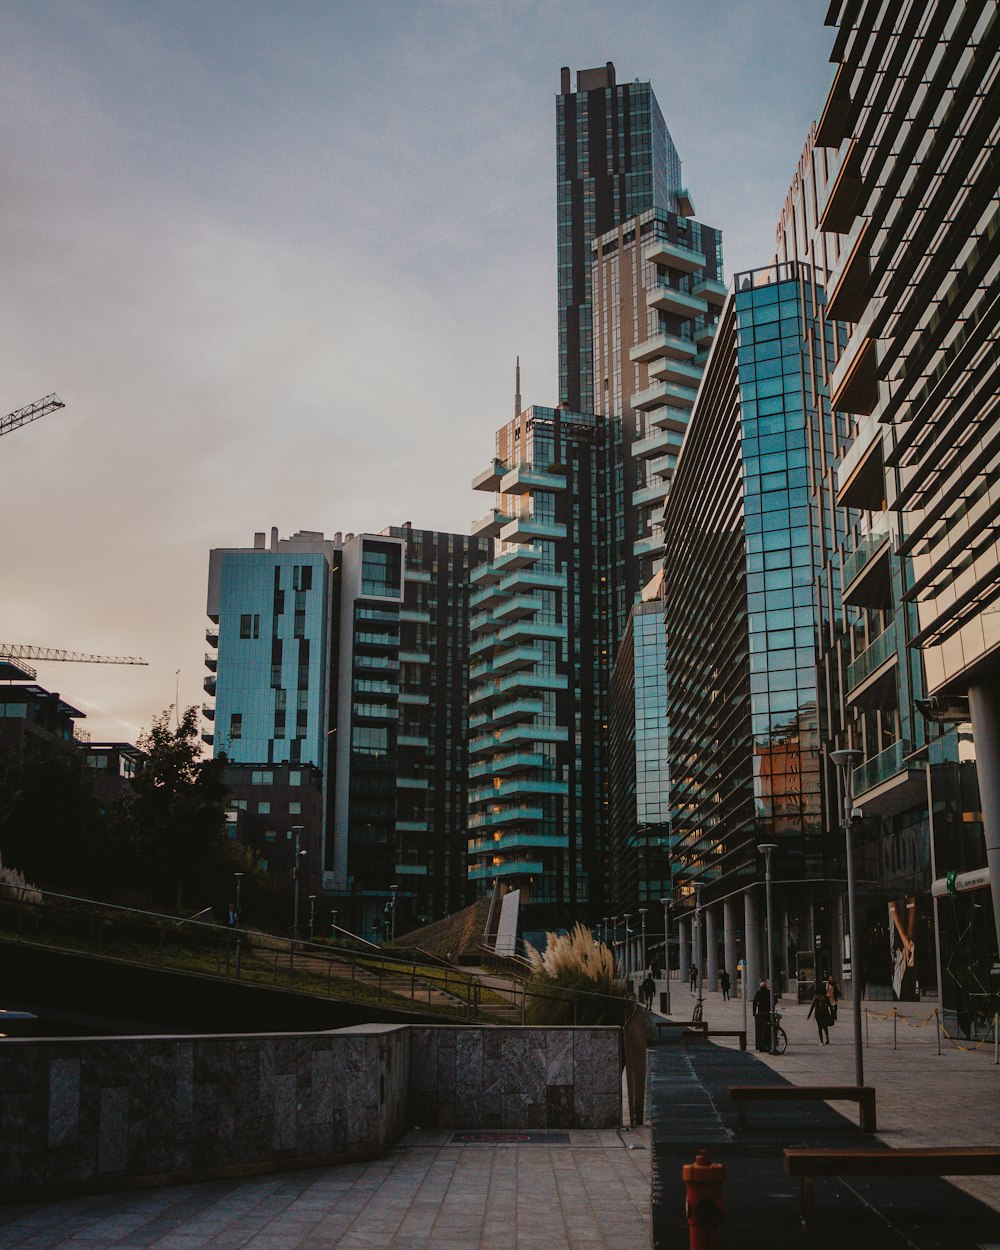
(614, 160)
(915, 194)
(339, 671)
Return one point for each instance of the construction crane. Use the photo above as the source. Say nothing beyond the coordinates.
(29, 413)
(24, 651)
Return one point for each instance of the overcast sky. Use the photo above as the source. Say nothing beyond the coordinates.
(278, 258)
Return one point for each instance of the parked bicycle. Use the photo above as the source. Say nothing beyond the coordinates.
(779, 1038)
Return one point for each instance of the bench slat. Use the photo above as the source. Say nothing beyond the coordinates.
(863, 1095)
(905, 1161)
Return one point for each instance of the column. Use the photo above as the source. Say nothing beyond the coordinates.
(984, 706)
(729, 938)
(783, 963)
(684, 937)
(751, 942)
(711, 950)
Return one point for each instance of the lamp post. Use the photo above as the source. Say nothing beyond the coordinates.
(604, 930)
(767, 849)
(699, 1005)
(299, 853)
(665, 903)
(333, 924)
(642, 918)
(312, 915)
(628, 950)
(237, 876)
(392, 915)
(845, 762)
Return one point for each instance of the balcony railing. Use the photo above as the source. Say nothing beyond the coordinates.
(866, 550)
(882, 649)
(888, 763)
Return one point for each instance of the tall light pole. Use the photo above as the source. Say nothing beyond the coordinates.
(628, 951)
(665, 903)
(642, 917)
(845, 762)
(604, 930)
(767, 849)
(297, 830)
(312, 915)
(333, 925)
(394, 889)
(698, 887)
(238, 877)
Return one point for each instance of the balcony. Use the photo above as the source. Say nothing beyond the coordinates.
(669, 370)
(532, 682)
(662, 345)
(528, 529)
(413, 698)
(843, 199)
(524, 478)
(519, 657)
(669, 418)
(487, 596)
(517, 787)
(663, 466)
(414, 657)
(212, 637)
(412, 826)
(211, 661)
(483, 574)
(516, 709)
(854, 382)
(506, 816)
(489, 478)
(517, 558)
(831, 129)
(518, 761)
(678, 303)
(887, 783)
(509, 868)
(529, 579)
(871, 678)
(685, 203)
(520, 605)
(483, 623)
(656, 492)
(849, 286)
(517, 734)
(660, 442)
(529, 628)
(674, 256)
(661, 393)
(515, 840)
(711, 290)
(412, 740)
(208, 739)
(652, 545)
(705, 334)
(861, 473)
(209, 685)
(412, 783)
(490, 525)
(208, 711)
(866, 579)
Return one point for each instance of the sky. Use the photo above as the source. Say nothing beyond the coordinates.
(278, 260)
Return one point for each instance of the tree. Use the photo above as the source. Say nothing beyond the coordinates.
(172, 821)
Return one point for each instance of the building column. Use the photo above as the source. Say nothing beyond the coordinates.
(783, 962)
(729, 938)
(711, 950)
(984, 706)
(684, 939)
(751, 941)
(837, 941)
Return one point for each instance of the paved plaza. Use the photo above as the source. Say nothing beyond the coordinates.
(431, 1193)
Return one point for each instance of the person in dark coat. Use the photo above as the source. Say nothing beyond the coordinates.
(762, 1017)
(820, 1007)
(647, 990)
(725, 983)
(692, 977)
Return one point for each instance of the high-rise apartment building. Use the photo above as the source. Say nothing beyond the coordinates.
(340, 676)
(914, 121)
(614, 160)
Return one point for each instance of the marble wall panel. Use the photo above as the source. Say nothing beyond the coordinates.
(64, 1102)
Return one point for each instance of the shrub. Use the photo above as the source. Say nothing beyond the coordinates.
(574, 982)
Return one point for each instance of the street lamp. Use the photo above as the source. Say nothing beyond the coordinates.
(604, 929)
(312, 915)
(767, 849)
(237, 876)
(845, 762)
(392, 916)
(665, 903)
(297, 830)
(699, 1005)
(333, 924)
(628, 953)
(642, 916)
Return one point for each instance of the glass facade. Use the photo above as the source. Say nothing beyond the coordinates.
(614, 160)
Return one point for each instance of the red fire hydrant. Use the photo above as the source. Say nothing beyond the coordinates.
(705, 1204)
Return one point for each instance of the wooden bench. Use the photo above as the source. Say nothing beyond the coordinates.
(863, 1095)
(689, 1034)
(907, 1161)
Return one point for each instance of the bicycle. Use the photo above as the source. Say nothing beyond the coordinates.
(698, 1012)
(779, 1038)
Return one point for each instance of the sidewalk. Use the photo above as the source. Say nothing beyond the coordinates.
(427, 1194)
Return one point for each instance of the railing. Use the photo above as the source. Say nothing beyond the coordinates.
(866, 550)
(888, 763)
(872, 657)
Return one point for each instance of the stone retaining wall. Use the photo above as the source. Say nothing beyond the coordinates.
(80, 1114)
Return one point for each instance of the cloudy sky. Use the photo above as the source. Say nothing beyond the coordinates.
(278, 258)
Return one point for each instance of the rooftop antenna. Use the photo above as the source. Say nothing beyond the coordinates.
(517, 388)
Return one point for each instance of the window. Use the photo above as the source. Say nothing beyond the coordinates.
(264, 807)
(270, 836)
(236, 725)
(249, 625)
(370, 739)
(295, 809)
(295, 779)
(262, 777)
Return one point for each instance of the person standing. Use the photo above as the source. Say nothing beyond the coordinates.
(648, 988)
(820, 1006)
(832, 990)
(725, 983)
(692, 977)
(762, 1017)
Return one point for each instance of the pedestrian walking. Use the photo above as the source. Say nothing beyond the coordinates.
(832, 991)
(820, 1007)
(725, 983)
(762, 1017)
(647, 989)
(692, 977)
